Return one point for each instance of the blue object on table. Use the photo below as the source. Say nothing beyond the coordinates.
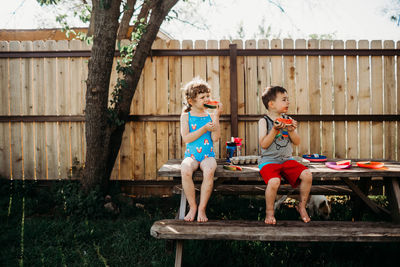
(315, 157)
(230, 151)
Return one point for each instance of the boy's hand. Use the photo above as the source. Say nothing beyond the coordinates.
(279, 125)
(292, 127)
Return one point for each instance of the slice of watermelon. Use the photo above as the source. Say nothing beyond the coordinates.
(343, 162)
(211, 104)
(285, 121)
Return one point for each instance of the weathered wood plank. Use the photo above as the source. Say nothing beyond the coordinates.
(172, 169)
(314, 231)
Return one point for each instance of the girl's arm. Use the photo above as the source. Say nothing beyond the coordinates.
(265, 138)
(216, 133)
(187, 136)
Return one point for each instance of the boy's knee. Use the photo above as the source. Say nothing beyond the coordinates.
(274, 183)
(306, 176)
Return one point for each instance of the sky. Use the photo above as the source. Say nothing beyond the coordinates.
(222, 19)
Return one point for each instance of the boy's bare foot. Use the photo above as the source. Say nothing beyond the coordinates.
(303, 214)
(190, 215)
(270, 218)
(201, 216)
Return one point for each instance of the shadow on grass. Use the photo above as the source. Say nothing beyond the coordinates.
(78, 232)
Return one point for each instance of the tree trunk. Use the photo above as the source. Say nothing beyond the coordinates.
(106, 24)
(103, 140)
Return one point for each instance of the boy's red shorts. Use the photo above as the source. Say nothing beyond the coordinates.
(289, 170)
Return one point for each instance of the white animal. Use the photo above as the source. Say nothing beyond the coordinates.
(317, 205)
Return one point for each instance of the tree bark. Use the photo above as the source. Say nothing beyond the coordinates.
(106, 13)
(103, 139)
(124, 25)
(158, 13)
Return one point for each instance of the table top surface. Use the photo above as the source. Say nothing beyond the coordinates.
(172, 168)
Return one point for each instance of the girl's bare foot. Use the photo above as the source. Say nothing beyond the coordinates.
(270, 218)
(190, 215)
(201, 216)
(303, 214)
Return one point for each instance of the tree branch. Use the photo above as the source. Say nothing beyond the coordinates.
(126, 18)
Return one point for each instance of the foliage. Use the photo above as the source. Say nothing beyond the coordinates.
(38, 234)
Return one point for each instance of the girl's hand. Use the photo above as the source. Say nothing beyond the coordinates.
(210, 127)
(293, 126)
(220, 108)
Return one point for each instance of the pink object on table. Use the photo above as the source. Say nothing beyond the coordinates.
(333, 165)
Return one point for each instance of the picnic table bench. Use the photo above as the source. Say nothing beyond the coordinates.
(354, 181)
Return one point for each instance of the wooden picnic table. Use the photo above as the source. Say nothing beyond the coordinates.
(355, 180)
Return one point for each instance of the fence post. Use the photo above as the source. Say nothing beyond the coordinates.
(233, 89)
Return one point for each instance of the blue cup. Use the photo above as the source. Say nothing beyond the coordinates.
(230, 151)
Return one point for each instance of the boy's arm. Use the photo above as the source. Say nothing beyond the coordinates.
(294, 136)
(187, 136)
(265, 138)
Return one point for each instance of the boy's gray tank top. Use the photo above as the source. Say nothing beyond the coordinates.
(279, 151)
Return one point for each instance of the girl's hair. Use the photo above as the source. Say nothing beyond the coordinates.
(270, 93)
(193, 88)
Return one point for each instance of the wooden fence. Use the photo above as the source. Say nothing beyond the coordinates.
(345, 95)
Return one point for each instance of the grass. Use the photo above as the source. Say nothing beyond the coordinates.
(58, 227)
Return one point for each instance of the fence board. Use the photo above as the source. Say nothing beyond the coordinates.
(213, 81)
(302, 94)
(187, 75)
(224, 80)
(352, 102)
(326, 101)
(5, 151)
(150, 140)
(314, 98)
(28, 138)
(398, 102)
(162, 105)
(276, 64)
(264, 79)
(389, 102)
(377, 94)
(16, 108)
(289, 82)
(241, 93)
(364, 101)
(50, 108)
(339, 100)
(76, 103)
(251, 95)
(175, 101)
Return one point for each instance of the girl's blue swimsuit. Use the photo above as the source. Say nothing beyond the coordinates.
(202, 147)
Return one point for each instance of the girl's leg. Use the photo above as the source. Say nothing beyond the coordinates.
(188, 166)
(270, 196)
(208, 166)
(305, 186)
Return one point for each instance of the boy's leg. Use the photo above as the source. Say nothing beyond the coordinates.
(188, 166)
(305, 186)
(208, 166)
(270, 195)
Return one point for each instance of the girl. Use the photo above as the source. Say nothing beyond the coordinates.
(198, 131)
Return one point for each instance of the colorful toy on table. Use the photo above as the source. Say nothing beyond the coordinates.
(371, 165)
(342, 164)
(283, 132)
(232, 168)
(233, 148)
(315, 157)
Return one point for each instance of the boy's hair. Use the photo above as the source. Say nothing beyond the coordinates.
(270, 93)
(193, 88)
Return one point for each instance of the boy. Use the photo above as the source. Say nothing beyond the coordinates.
(276, 139)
